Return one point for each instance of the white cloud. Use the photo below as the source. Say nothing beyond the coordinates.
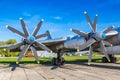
(57, 17)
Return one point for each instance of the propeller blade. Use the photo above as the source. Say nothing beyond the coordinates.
(37, 28)
(43, 47)
(24, 27)
(95, 23)
(25, 49)
(35, 53)
(90, 55)
(88, 43)
(89, 21)
(80, 33)
(41, 36)
(14, 46)
(16, 31)
(104, 50)
(108, 29)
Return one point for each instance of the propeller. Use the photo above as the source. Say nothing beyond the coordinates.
(93, 37)
(29, 41)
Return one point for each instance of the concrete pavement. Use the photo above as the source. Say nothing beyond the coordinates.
(97, 71)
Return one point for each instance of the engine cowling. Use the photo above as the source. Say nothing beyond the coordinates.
(115, 40)
(74, 43)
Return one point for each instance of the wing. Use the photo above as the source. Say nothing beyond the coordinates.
(52, 43)
(4, 47)
(11, 47)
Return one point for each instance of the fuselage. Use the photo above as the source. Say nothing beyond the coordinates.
(74, 42)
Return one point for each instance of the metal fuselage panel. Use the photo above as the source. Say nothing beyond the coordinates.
(115, 40)
(113, 50)
(75, 42)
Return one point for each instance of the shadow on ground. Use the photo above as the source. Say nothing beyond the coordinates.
(82, 62)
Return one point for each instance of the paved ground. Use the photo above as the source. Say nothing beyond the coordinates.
(98, 71)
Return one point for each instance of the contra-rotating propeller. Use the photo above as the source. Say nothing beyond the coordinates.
(29, 41)
(93, 37)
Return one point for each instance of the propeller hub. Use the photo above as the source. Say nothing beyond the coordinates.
(103, 36)
(31, 38)
(97, 36)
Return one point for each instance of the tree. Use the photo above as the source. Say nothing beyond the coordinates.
(11, 41)
(7, 53)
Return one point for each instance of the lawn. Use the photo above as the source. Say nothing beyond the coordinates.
(68, 59)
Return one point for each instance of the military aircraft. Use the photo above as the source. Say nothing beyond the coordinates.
(59, 45)
(96, 39)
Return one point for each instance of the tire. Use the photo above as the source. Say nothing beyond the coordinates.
(54, 61)
(104, 60)
(62, 61)
(113, 60)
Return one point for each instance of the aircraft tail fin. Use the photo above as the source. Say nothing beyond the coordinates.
(49, 35)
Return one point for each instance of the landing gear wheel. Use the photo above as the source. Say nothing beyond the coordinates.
(113, 59)
(62, 61)
(104, 60)
(54, 61)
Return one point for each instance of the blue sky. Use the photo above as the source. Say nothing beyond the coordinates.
(59, 15)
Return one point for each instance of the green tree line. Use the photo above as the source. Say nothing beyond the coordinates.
(7, 53)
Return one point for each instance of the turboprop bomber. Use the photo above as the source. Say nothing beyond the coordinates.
(78, 42)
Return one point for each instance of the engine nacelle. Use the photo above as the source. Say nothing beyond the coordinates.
(100, 36)
(115, 40)
(113, 50)
(74, 43)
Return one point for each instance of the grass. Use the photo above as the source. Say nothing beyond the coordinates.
(25, 60)
(68, 59)
(75, 59)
